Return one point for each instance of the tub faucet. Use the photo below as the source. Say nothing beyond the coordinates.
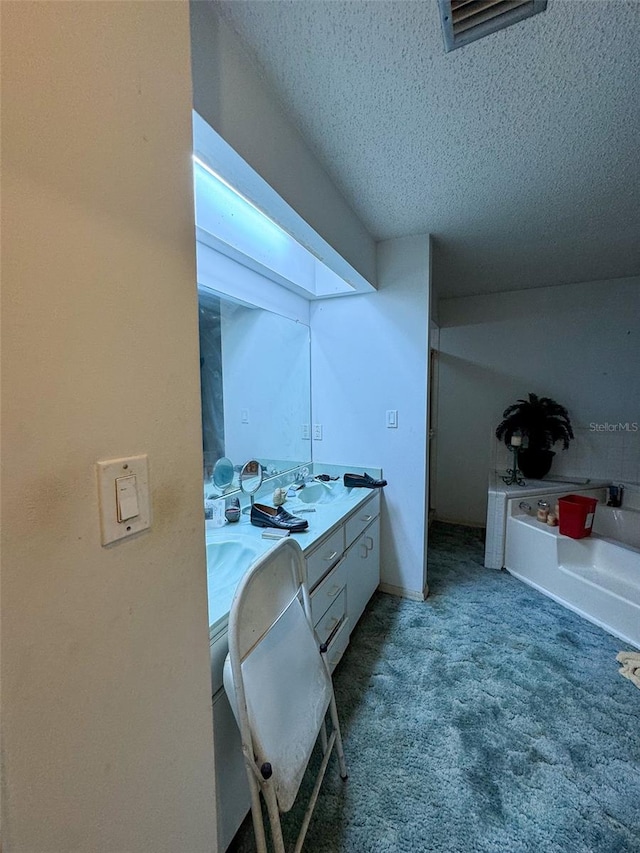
(614, 495)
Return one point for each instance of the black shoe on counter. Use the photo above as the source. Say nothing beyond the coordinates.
(269, 516)
(362, 481)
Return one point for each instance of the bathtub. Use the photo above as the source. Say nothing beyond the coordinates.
(597, 577)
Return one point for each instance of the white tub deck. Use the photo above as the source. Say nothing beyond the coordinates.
(595, 577)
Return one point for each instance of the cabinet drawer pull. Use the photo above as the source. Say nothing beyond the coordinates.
(334, 591)
(367, 517)
(363, 551)
(331, 557)
(332, 624)
(368, 540)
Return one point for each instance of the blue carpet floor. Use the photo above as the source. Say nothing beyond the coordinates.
(487, 719)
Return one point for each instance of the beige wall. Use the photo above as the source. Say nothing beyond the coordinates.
(106, 699)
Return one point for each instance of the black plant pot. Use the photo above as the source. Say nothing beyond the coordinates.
(535, 464)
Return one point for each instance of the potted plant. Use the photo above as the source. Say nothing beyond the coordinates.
(541, 422)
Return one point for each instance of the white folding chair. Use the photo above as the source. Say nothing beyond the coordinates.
(279, 686)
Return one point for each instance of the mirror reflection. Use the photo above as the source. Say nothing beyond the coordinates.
(256, 396)
(251, 477)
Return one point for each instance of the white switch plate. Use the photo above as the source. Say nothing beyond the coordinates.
(306, 431)
(121, 470)
(392, 418)
(317, 432)
(244, 416)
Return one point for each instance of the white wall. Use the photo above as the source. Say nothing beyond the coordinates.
(106, 696)
(578, 343)
(369, 354)
(232, 96)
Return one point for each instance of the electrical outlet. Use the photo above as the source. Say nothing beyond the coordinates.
(306, 431)
(244, 416)
(317, 432)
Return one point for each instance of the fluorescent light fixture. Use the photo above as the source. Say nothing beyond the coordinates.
(261, 228)
(233, 189)
(228, 221)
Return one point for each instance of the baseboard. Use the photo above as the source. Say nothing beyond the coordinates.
(401, 592)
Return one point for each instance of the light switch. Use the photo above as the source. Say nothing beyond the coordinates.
(392, 418)
(126, 498)
(123, 491)
(244, 416)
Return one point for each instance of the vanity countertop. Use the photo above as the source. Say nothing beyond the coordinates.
(223, 580)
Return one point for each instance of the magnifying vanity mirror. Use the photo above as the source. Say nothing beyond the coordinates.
(222, 473)
(251, 476)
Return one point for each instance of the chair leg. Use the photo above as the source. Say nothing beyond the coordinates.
(256, 814)
(314, 794)
(274, 817)
(336, 727)
(323, 736)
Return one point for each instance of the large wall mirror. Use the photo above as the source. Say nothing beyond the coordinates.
(256, 390)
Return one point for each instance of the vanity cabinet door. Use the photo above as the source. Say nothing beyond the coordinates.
(363, 571)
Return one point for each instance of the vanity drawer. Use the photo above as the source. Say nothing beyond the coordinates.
(326, 593)
(359, 520)
(332, 618)
(338, 645)
(325, 555)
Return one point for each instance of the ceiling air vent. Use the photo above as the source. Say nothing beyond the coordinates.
(464, 21)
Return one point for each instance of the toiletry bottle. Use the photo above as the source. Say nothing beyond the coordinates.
(543, 511)
(232, 510)
(217, 517)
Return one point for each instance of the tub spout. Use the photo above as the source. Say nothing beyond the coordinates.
(524, 506)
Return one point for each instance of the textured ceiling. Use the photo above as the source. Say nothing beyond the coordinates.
(519, 152)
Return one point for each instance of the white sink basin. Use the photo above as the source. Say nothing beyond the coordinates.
(227, 561)
(321, 493)
(231, 552)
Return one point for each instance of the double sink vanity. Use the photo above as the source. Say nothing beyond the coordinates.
(252, 412)
(341, 548)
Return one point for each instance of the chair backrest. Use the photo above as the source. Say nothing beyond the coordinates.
(274, 672)
(264, 593)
